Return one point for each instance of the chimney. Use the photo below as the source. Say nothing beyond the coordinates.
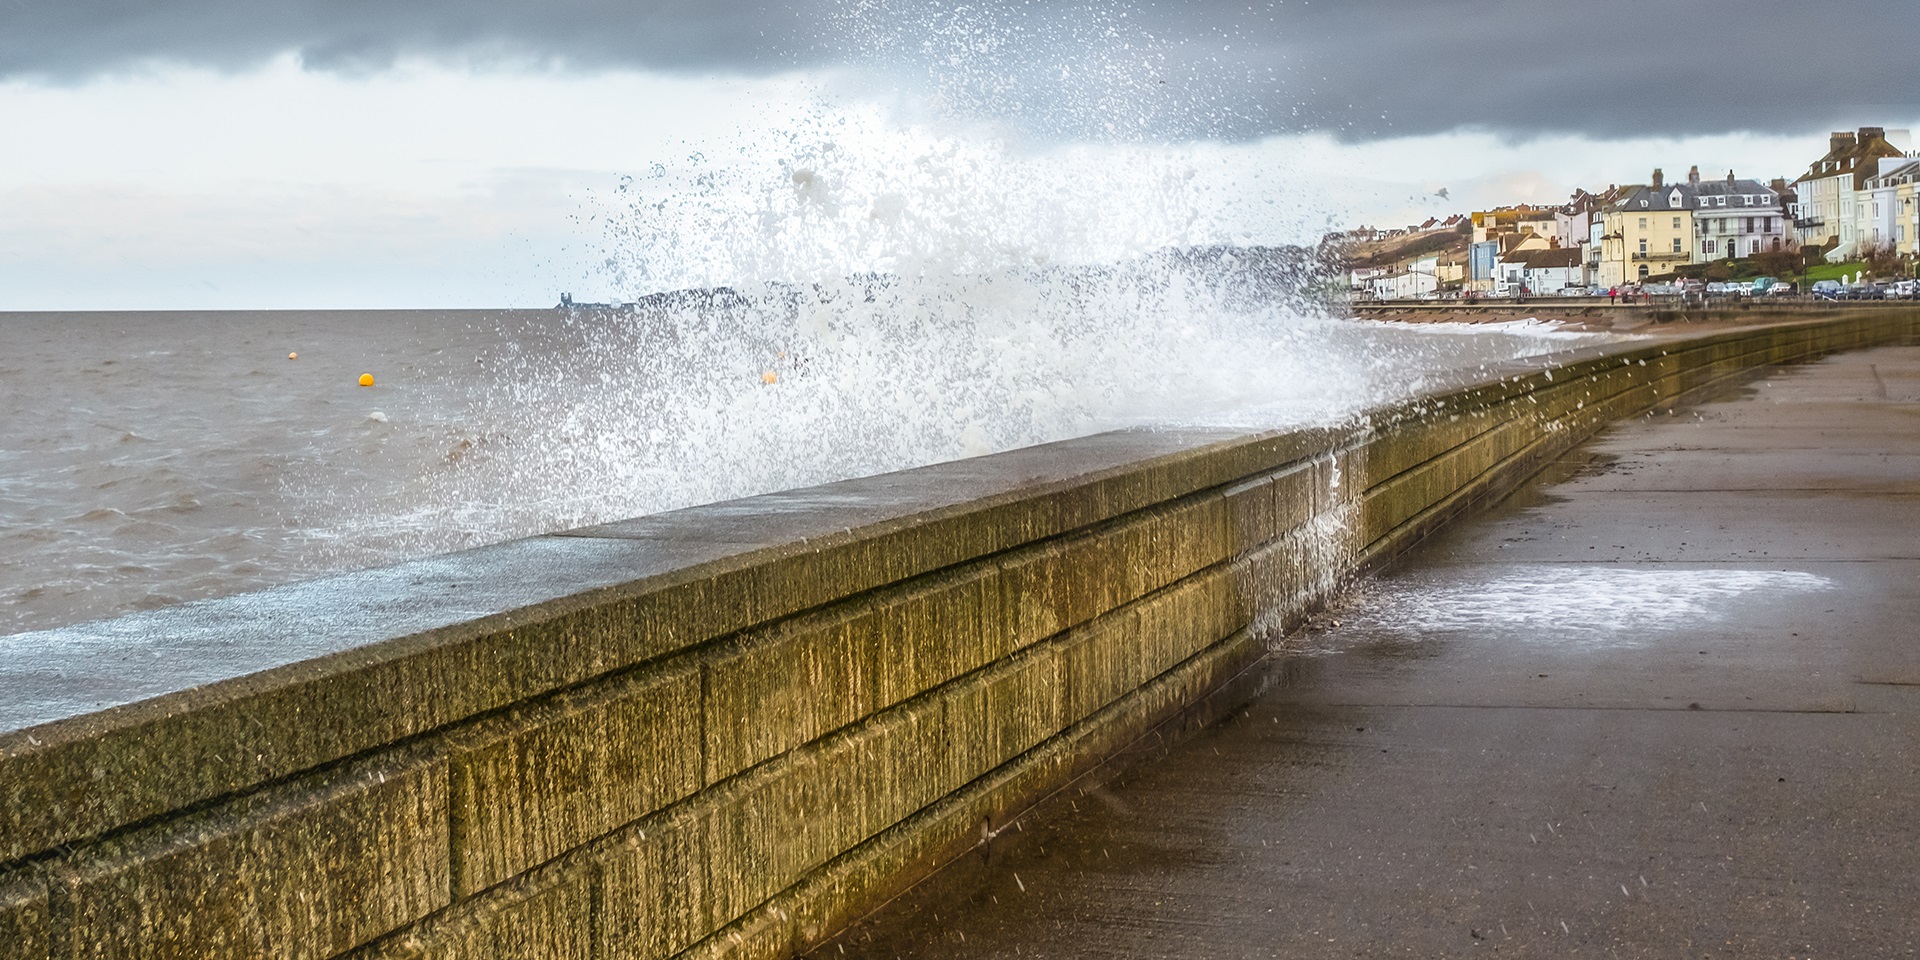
(1659, 179)
(1872, 133)
(1729, 178)
(1693, 176)
(1839, 141)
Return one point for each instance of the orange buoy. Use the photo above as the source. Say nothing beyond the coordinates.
(366, 379)
(293, 356)
(769, 377)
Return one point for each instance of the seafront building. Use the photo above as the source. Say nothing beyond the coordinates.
(1735, 218)
(1905, 184)
(1540, 272)
(1861, 196)
(1516, 221)
(1648, 232)
(1886, 219)
(1829, 193)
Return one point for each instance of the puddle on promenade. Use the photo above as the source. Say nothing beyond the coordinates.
(1577, 605)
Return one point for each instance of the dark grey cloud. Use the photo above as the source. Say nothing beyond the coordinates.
(1114, 68)
(64, 39)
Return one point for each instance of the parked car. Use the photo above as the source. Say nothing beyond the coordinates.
(1826, 289)
(1904, 290)
(1763, 285)
(1781, 288)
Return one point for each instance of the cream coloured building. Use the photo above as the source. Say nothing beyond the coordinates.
(1647, 232)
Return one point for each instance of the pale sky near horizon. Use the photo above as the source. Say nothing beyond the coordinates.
(278, 171)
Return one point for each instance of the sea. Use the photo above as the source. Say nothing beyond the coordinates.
(156, 458)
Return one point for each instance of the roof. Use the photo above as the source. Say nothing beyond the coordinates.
(1738, 188)
(1851, 154)
(1553, 259)
(1585, 202)
(1714, 188)
(1658, 201)
(1891, 174)
(1515, 214)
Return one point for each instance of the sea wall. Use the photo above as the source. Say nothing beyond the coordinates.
(731, 729)
(1603, 313)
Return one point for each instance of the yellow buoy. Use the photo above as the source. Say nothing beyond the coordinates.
(293, 356)
(366, 379)
(769, 377)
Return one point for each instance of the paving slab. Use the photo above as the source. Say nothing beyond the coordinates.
(1652, 705)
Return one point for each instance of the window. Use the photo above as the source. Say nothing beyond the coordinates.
(1676, 244)
(1747, 226)
(1676, 223)
(1643, 245)
(1643, 220)
(1710, 247)
(1753, 246)
(1769, 225)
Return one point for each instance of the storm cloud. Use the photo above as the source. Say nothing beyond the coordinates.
(1361, 69)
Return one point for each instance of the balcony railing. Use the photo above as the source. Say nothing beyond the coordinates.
(1663, 256)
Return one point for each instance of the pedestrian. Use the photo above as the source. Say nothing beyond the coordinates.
(1612, 294)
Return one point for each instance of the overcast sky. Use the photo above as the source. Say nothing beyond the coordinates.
(298, 152)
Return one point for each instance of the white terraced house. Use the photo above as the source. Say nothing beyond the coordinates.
(1829, 192)
(1735, 218)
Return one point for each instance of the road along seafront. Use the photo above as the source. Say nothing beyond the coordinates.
(734, 727)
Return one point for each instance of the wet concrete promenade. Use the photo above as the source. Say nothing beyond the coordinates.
(1663, 702)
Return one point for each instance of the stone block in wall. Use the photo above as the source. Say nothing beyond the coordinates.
(546, 915)
(772, 690)
(23, 917)
(538, 781)
(830, 899)
(1104, 660)
(1184, 619)
(944, 627)
(1058, 585)
(653, 886)
(759, 832)
(1251, 513)
(1414, 491)
(302, 871)
(1410, 442)
(772, 825)
(1001, 712)
(1096, 663)
(1281, 581)
(1035, 593)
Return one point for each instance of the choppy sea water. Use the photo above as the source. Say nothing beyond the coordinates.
(153, 458)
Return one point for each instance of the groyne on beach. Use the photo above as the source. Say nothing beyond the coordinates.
(731, 728)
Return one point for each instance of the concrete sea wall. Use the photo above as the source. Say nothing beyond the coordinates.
(731, 729)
